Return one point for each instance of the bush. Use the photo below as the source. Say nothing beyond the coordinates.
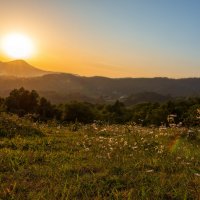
(11, 126)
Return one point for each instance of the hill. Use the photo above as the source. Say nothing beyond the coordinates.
(61, 87)
(144, 97)
(20, 68)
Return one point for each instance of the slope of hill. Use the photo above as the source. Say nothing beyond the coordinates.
(144, 97)
(61, 87)
(20, 68)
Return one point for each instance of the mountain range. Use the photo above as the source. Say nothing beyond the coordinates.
(62, 87)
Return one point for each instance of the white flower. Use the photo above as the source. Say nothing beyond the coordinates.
(197, 174)
(135, 147)
(150, 170)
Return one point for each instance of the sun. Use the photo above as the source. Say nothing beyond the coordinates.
(17, 45)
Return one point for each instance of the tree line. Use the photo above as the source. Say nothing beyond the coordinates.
(23, 102)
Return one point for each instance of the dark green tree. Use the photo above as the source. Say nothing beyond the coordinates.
(191, 117)
(77, 111)
(117, 113)
(21, 101)
(2, 104)
(47, 111)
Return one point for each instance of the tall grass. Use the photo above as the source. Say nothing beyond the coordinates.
(50, 161)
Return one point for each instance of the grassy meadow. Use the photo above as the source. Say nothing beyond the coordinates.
(53, 161)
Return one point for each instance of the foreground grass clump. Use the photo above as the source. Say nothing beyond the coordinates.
(11, 126)
(101, 162)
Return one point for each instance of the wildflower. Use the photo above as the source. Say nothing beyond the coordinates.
(135, 147)
(87, 149)
(110, 140)
(150, 170)
(187, 163)
(197, 174)
(160, 151)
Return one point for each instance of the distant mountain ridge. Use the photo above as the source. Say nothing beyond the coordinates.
(20, 68)
(62, 87)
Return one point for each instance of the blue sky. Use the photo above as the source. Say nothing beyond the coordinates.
(138, 38)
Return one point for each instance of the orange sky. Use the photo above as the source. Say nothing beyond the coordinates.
(115, 40)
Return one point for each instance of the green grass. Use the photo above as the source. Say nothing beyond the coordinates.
(49, 161)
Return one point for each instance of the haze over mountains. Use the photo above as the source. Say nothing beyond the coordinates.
(62, 87)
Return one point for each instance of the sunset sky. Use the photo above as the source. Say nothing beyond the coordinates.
(115, 38)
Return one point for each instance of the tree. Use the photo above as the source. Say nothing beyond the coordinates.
(21, 101)
(191, 117)
(77, 111)
(117, 113)
(47, 111)
(2, 104)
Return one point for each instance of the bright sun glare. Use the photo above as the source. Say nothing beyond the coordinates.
(17, 45)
